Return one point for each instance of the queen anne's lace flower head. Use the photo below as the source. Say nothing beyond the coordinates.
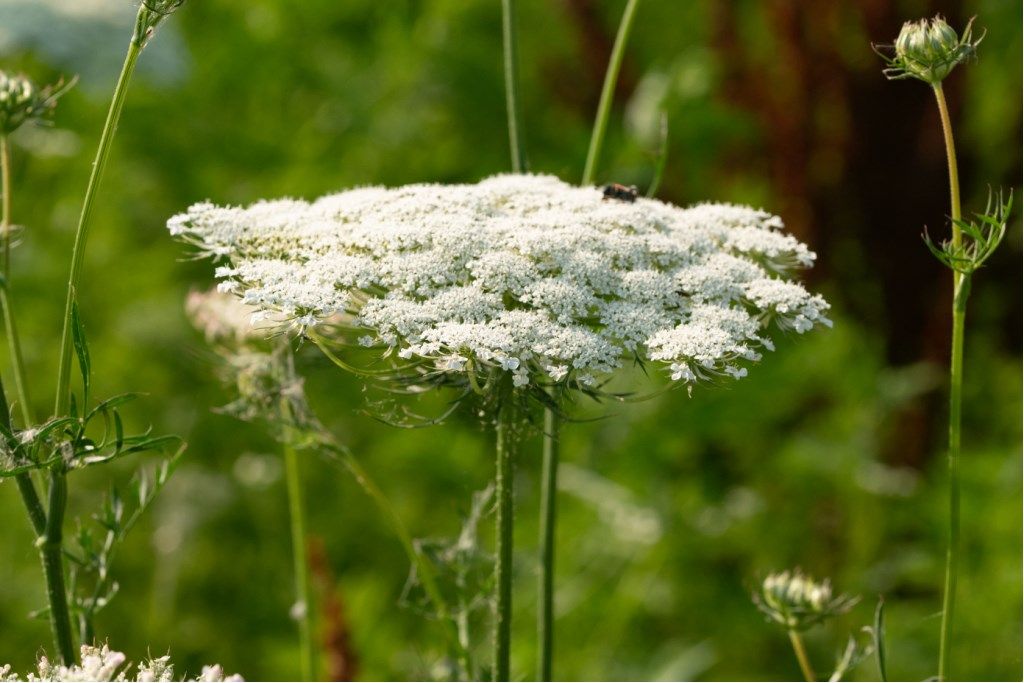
(519, 273)
(103, 664)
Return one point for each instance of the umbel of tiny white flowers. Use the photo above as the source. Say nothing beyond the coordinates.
(928, 50)
(796, 601)
(518, 275)
(103, 664)
(22, 101)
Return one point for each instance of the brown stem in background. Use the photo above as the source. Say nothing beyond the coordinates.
(338, 656)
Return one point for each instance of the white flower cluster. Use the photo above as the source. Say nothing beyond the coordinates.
(519, 272)
(104, 664)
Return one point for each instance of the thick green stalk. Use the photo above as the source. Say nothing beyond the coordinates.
(506, 433)
(51, 548)
(961, 289)
(608, 91)
(78, 253)
(511, 56)
(548, 517)
(303, 607)
(801, 655)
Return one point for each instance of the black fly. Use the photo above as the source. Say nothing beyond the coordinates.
(624, 193)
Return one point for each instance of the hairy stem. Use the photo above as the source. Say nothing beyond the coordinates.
(509, 23)
(801, 655)
(506, 432)
(78, 253)
(51, 549)
(303, 607)
(961, 289)
(548, 517)
(608, 91)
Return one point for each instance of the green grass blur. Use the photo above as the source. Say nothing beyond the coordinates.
(828, 457)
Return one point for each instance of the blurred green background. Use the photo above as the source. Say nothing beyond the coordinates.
(829, 456)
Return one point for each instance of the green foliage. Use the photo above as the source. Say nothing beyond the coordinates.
(829, 456)
(979, 238)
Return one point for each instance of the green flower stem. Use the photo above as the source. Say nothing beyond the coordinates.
(511, 56)
(506, 435)
(961, 289)
(608, 91)
(53, 562)
(48, 526)
(954, 176)
(548, 516)
(801, 655)
(51, 548)
(26, 487)
(424, 570)
(304, 608)
(20, 383)
(78, 252)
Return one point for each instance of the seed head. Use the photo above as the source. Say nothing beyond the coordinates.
(928, 50)
(797, 602)
(22, 101)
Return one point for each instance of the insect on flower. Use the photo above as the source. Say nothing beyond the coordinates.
(624, 193)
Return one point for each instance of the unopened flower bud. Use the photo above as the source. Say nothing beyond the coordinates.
(796, 601)
(151, 13)
(928, 50)
(22, 101)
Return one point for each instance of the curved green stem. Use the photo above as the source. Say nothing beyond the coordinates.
(78, 253)
(961, 290)
(51, 549)
(422, 566)
(608, 91)
(954, 176)
(801, 655)
(548, 517)
(509, 22)
(303, 606)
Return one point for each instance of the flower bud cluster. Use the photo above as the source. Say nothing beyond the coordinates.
(22, 101)
(151, 13)
(796, 601)
(928, 50)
